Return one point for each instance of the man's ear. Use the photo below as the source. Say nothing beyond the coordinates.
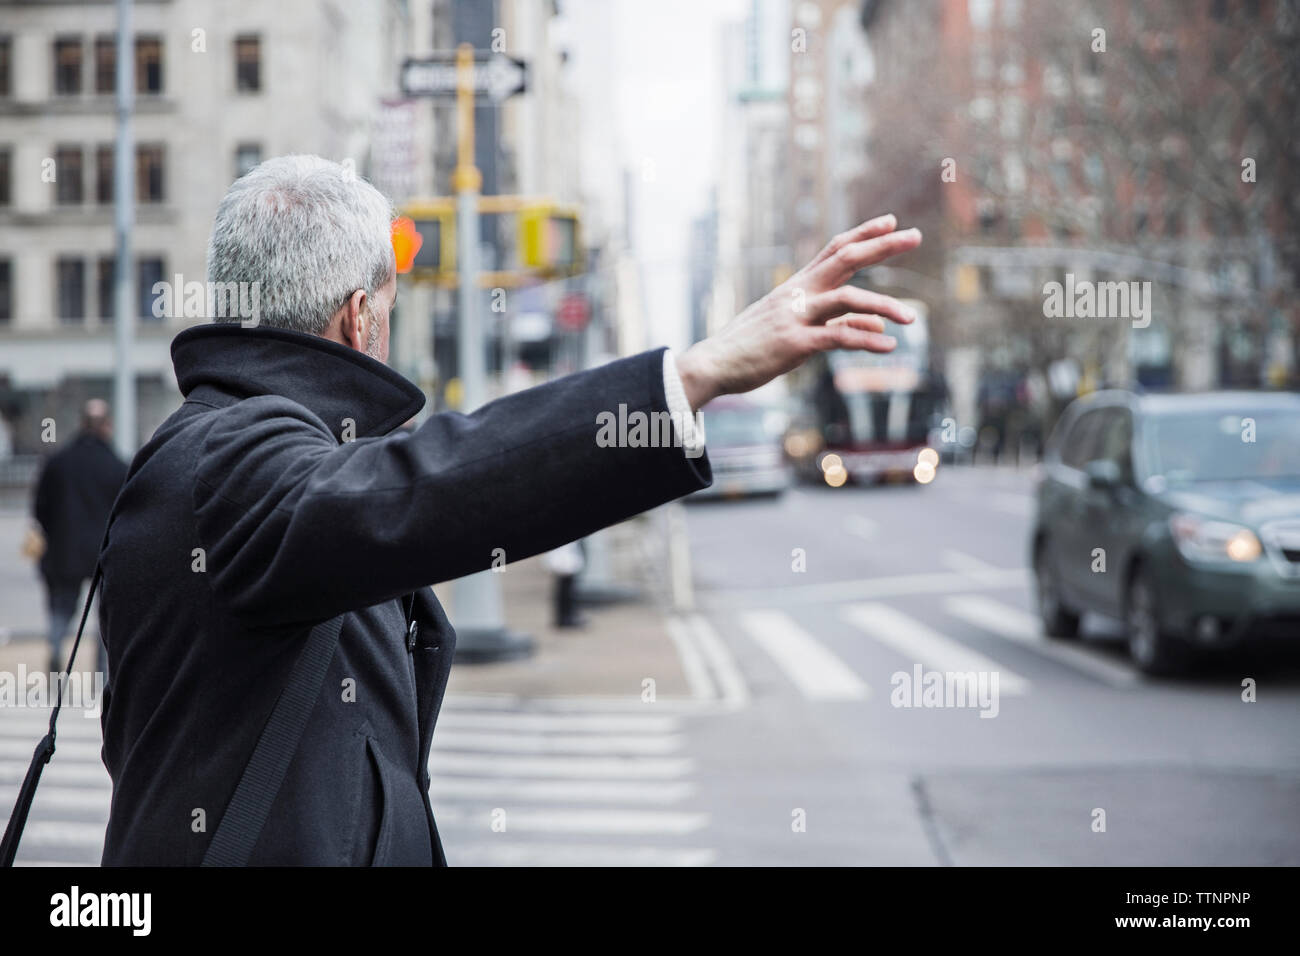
(356, 316)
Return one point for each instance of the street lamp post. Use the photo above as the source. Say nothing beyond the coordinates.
(123, 220)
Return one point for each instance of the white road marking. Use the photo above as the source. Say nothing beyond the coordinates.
(964, 563)
(64, 798)
(632, 744)
(921, 643)
(811, 666)
(588, 821)
(868, 589)
(693, 664)
(650, 792)
(26, 722)
(730, 683)
(594, 768)
(559, 723)
(63, 833)
(20, 746)
(1024, 628)
(13, 771)
(570, 854)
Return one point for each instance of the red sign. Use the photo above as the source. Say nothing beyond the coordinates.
(573, 313)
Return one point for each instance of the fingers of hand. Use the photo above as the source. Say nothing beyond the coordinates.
(851, 299)
(844, 335)
(867, 323)
(839, 266)
(879, 226)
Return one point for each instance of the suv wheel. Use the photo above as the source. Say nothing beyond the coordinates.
(1153, 649)
(1058, 620)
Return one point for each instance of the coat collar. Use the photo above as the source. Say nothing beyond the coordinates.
(227, 362)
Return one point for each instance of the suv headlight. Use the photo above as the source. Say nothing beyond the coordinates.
(1200, 539)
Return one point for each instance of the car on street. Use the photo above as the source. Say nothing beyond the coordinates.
(743, 438)
(1177, 514)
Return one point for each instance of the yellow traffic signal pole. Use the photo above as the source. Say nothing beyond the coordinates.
(480, 618)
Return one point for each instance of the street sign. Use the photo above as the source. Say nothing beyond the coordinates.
(496, 77)
(573, 313)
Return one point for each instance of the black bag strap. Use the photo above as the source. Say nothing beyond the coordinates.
(44, 749)
(245, 816)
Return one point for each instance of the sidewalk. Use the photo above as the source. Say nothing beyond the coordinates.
(621, 646)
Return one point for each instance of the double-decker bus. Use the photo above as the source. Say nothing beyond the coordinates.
(864, 416)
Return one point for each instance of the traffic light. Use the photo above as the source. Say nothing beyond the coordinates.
(426, 234)
(550, 239)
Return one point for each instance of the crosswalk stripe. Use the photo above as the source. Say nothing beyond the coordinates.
(13, 771)
(596, 768)
(1020, 626)
(23, 723)
(557, 743)
(67, 749)
(63, 833)
(919, 642)
(63, 798)
(649, 792)
(811, 666)
(570, 854)
(559, 723)
(466, 702)
(588, 821)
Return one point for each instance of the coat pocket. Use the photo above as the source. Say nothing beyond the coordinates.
(385, 788)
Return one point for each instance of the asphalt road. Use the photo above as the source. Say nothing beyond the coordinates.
(1184, 771)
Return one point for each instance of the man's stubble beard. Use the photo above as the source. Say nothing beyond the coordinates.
(372, 338)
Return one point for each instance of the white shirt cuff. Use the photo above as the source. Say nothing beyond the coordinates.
(688, 427)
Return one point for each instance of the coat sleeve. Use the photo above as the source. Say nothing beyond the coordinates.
(298, 528)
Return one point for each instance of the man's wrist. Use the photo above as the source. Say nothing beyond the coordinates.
(697, 379)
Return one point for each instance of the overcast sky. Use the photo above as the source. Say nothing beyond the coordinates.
(653, 69)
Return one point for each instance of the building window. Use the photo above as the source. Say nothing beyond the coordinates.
(149, 180)
(67, 66)
(6, 189)
(104, 174)
(248, 64)
(107, 287)
(6, 69)
(72, 289)
(247, 155)
(149, 272)
(69, 188)
(105, 64)
(148, 64)
(6, 291)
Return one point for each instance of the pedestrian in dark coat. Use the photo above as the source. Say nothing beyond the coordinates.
(73, 497)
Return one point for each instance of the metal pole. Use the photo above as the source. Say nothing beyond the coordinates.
(480, 620)
(124, 217)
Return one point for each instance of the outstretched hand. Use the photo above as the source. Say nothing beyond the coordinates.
(814, 310)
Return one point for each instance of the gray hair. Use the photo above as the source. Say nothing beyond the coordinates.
(309, 231)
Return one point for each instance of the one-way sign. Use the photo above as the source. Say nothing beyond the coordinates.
(497, 77)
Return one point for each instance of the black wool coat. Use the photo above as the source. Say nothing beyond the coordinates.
(250, 517)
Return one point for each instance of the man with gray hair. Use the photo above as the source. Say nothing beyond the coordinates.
(278, 657)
